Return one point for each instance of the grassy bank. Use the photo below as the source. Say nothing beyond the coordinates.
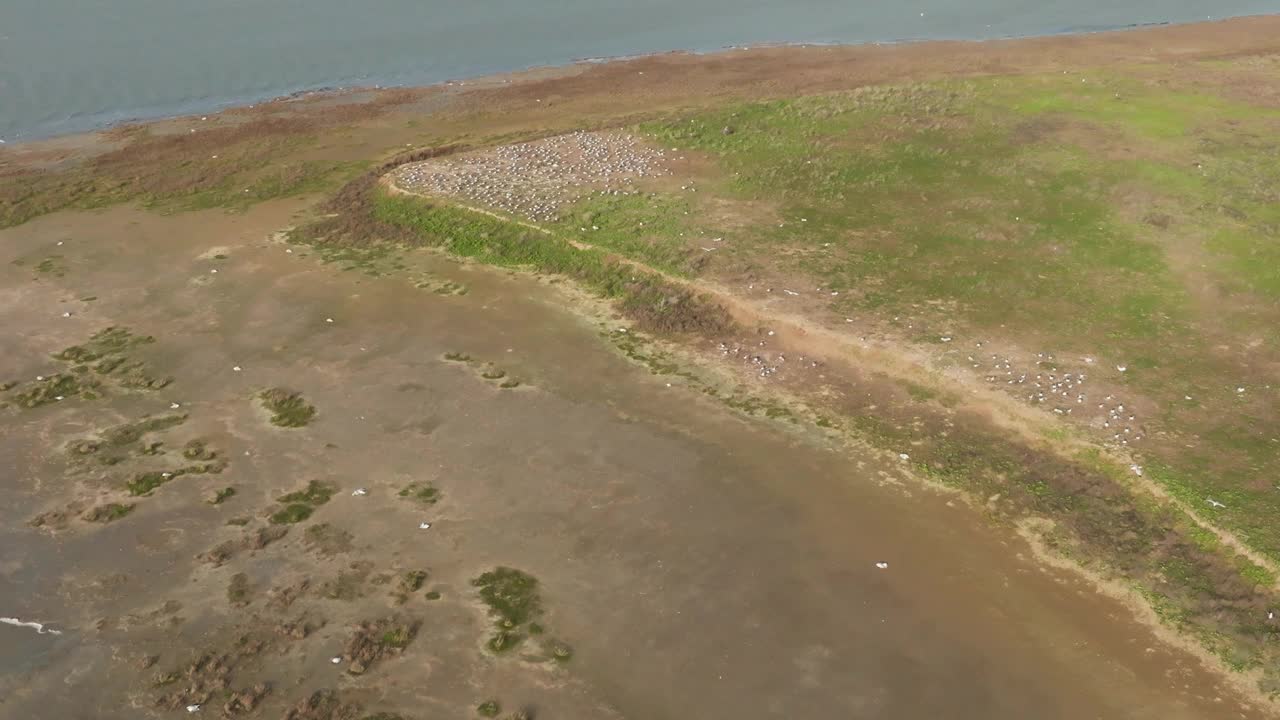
(227, 161)
(1113, 216)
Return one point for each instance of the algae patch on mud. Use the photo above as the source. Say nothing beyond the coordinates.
(91, 368)
(288, 408)
(300, 504)
(424, 493)
(514, 602)
(108, 512)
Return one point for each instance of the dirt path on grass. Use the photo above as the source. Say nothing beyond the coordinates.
(838, 349)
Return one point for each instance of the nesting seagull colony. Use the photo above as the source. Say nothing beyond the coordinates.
(536, 179)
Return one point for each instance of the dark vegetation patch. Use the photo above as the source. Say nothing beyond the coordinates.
(144, 483)
(230, 163)
(114, 445)
(51, 519)
(58, 387)
(90, 367)
(374, 641)
(211, 678)
(221, 496)
(108, 513)
(489, 708)
(239, 591)
(409, 582)
(327, 539)
(130, 433)
(292, 513)
(315, 493)
(255, 540)
(300, 504)
(288, 409)
(103, 344)
(513, 600)
(52, 266)
(323, 705)
(421, 492)
(198, 449)
(348, 584)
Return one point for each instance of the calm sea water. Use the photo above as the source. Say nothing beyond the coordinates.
(72, 65)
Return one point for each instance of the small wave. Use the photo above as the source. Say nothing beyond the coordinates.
(38, 627)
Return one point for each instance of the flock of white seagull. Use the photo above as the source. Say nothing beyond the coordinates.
(537, 180)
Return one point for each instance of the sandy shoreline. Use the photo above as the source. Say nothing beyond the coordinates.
(1241, 34)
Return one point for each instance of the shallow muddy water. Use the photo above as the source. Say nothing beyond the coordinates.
(700, 564)
(69, 65)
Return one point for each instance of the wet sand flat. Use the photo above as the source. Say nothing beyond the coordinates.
(698, 564)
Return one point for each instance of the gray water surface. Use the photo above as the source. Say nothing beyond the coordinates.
(73, 65)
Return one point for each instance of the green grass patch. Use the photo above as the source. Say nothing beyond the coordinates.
(654, 229)
(288, 409)
(424, 493)
(315, 493)
(239, 590)
(292, 513)
(129, 434)
(54, 265)
(198, 449)
(105, 343)
(56, 388)
(109, 512)
(327, 539)
(397, 637)
(511, 596)
(910, 214)
(222, 496)
(647, 298)
(300, 504)
(145, 483)
(411, 581)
